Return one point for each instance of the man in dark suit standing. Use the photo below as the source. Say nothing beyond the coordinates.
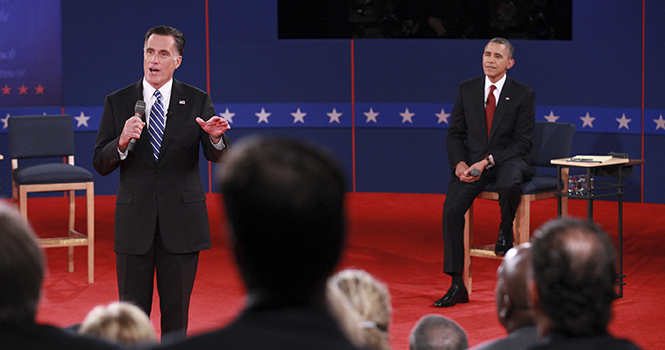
(161, 220)
(489, 137)
(284, 202)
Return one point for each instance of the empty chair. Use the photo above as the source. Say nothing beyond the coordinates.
(49, 139)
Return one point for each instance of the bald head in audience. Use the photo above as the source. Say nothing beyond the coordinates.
(436, 332)
(512, 303)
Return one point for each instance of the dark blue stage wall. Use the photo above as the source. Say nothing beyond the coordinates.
(381, 105)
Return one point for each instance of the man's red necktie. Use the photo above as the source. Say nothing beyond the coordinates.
(489, 108)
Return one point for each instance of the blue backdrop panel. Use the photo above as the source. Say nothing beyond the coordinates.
(243, 20)
(654, 182)
(401, 160)
(103, 44)
(654, 94)
(414, 70)
(30, 53)
(336, 140)
(281, 71)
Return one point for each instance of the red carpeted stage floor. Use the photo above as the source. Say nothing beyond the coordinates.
(397, 238)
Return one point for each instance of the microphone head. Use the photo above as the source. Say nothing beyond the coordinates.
(139, 108)
(474, 172)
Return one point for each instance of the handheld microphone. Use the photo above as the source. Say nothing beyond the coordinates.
(474, 172)
(139, 111)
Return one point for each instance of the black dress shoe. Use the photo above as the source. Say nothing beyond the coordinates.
(455, 294)
(504, 242)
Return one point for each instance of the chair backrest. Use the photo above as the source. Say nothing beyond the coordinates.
(550, 141)
(40, 136)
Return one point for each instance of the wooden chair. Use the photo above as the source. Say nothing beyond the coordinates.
(550, 141)
(33, 140)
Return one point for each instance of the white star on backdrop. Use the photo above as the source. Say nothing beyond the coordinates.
(334, 116)
(551, 117)
(6, 119)
(82, 120)
(298, 116)
(587, 120)
(371, 115)
(263, 116)
(228, 116)
(660, 122)
(406, 116)
(623, 121)
(443, 116)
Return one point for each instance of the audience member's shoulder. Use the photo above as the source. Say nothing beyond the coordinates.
(234, 338)
(33, 336)
(604, 341)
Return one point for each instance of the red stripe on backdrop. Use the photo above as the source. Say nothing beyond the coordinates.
(207, 47)
(643, 53)
(208, 82)
(353, 113)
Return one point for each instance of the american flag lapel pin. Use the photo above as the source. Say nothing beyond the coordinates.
(507, 98)
(182, 102)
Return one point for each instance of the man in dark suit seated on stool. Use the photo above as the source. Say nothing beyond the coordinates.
(571, 286)
(21, 276)
(284, 202)
(490, 134)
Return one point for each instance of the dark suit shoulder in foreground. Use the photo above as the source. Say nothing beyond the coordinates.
(287, 328)
(29, 336)
(596, 342)
(517, 339)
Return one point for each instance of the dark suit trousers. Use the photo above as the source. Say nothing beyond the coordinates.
(459, 197)
(175, 280)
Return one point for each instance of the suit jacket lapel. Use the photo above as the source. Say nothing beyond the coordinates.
(174, 113)
(478, 104)
(502, 105)
(137, 94)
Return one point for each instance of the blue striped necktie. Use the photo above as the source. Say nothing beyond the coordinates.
(157, 123)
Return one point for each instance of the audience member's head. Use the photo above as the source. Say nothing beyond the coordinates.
(361, 304)
(119, 322)
(284, 202)
(436, 332)
(21, 268)
(572, 278)
(512, 302)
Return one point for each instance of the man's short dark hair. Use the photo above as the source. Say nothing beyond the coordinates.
(21, 268)
(284, 201)
(504, 41)
(573, 265)
(166, 30)
(436, 332)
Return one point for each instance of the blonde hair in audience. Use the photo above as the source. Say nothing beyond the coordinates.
(120, 322)
(361, 304)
